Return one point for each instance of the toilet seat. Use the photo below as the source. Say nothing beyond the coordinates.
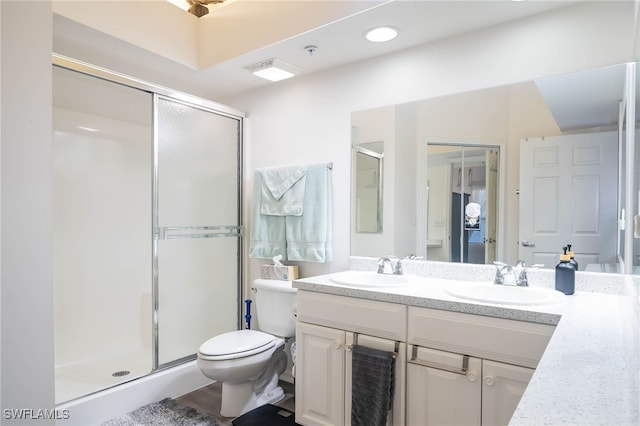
(236, 344)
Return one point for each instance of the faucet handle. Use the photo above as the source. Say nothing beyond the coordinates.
(499, 279)
(399, 270)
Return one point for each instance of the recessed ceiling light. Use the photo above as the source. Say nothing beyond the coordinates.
(273, 69)
(381, 34)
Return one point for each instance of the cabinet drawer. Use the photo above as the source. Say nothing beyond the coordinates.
(371, 317)
(514, 342)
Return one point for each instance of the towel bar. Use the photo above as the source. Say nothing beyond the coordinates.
(355, 342)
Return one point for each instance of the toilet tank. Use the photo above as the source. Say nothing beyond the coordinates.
(275, 300)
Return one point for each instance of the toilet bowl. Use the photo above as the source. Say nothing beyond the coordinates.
(250, 362)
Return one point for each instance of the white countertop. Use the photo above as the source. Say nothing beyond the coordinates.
(590, 371)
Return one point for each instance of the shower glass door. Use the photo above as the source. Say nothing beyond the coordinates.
(197, 227)
(102, 174)
(146, 227)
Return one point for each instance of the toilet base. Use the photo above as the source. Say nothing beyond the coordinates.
(237, 398)
(240, 397)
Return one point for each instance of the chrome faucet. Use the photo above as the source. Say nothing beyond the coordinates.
(385, 266)
(516, 274)
(502, 271)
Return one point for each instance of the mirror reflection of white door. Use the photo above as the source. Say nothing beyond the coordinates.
(568, 196)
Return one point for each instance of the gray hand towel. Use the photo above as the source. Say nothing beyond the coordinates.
(372, 386)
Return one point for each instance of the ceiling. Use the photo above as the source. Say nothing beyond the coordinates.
(338, 33)
(335, 27)
(575, 108)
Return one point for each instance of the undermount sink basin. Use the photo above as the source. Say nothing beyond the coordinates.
(368, 279)
(506, 294)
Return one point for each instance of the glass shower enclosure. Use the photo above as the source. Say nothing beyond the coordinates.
(147, 227)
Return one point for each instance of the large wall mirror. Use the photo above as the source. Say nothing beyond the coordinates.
(556, 149)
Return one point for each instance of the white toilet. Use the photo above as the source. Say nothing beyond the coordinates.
(250, 362)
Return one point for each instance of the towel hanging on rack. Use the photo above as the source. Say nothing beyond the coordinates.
(306, 236)
(283, 190)
(372, 386)
(309, 235)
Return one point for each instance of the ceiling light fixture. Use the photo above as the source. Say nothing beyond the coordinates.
(381, 34)
(273, 69)
(198, 8)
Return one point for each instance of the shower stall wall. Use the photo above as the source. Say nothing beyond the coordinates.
(147, 227)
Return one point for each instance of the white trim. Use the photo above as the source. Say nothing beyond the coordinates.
(630, 189)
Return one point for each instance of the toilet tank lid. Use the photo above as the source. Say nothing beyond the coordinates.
(235, 342)
(274, 285)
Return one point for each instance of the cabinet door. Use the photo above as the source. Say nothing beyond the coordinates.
(439, 393)
(397, 415)
(320, 372)
(502, 388)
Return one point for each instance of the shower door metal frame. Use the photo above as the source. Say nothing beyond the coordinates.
(179, 232)
(212, 231)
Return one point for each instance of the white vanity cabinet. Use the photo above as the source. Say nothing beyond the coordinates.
(468, 369)
(327, 327)
(451, 368)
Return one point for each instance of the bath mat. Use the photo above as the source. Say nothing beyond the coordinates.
(266, 415)
(167, 412)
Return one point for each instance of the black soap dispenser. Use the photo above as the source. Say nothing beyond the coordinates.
(572, 259)
(565, 274)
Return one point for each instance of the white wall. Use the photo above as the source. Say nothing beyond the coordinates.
(308, 118)
(27, 272)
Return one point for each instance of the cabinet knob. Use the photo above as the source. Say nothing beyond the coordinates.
(337, 345)
(471, 376)
(489, 380)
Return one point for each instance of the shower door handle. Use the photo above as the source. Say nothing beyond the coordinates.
(177, 232)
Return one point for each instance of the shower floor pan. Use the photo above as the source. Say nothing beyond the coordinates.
(80, 378)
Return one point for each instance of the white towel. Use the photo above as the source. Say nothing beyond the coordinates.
(309, 236)
(283, 190)
(267, 234)
(306, 237)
